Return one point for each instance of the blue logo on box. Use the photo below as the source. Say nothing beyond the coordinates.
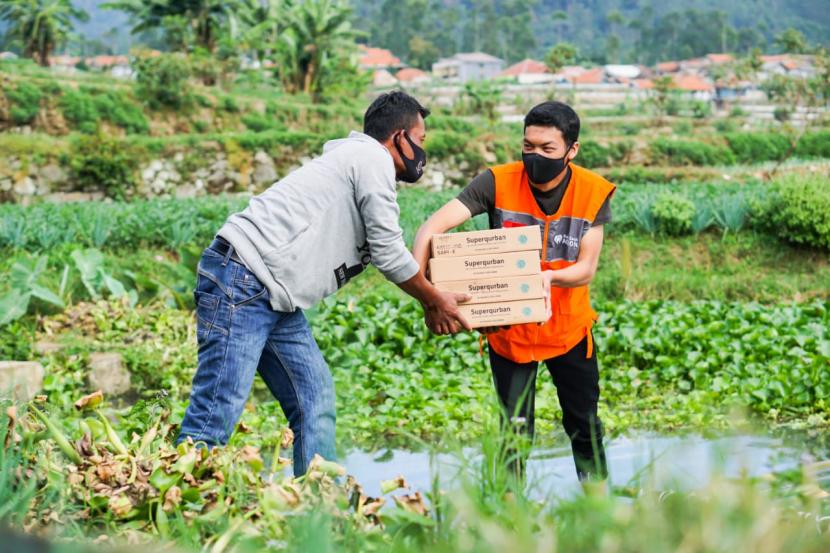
(521, 264)
(522, 239)
(527, 311)
(525, 288)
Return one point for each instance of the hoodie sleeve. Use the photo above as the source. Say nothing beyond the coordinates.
(377, 202)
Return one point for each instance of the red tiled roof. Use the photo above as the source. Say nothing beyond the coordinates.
(64, 60)
(411, 74)
(643, 83)
(524, 67)
(377, 57)
(692, 83)
(591, 76)
(107, 61)
(668, 66)
(719, 58)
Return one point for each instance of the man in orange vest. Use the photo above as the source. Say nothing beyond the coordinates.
(570, 205)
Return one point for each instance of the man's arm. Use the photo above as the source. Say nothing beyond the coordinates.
(582, 272)
(451, 215)
(376, 198)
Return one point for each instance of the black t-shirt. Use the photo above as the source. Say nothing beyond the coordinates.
(480, 197)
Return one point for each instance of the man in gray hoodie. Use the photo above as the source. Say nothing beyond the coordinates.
(296, 243)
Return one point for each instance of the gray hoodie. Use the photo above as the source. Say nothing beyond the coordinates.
(311, 232)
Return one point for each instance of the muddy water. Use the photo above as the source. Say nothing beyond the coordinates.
(663, 462)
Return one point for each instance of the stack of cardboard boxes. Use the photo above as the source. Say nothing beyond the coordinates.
(499, 268)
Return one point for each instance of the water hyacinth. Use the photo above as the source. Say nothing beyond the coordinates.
(145, 482)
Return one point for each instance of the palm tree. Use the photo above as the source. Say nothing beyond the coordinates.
(206, 19)
(315, 32)
(40, 25)
(263, 22)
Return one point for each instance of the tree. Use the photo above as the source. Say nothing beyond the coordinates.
(559, 56)
(790, 92)
(205, 19)
(612, 43)
(316, 33)
(422, 53)
(791, 41)
(263, 24)
(661, 96)
(40, 25)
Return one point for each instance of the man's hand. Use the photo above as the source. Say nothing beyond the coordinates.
(442, 316)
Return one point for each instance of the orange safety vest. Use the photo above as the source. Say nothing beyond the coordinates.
(572, 316)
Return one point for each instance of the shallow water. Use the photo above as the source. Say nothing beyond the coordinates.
(663, 462)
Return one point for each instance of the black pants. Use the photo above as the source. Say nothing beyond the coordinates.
(577, 385)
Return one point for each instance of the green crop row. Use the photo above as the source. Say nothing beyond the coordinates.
(662, 363)
(793, 208)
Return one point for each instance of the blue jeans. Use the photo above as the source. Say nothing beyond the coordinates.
(239, 334)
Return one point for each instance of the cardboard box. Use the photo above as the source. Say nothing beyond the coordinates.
(480, 242)
(504, 313)
(444, 269)
(492, 290)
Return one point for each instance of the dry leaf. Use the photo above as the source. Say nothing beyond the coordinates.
(287, 438)
(90, 401)
(172, 498)
(413, 503)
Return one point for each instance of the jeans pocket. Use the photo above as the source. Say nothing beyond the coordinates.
(208, 314)
(246, 286)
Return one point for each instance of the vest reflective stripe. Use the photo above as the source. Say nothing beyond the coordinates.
(506, 218)
(562, 233)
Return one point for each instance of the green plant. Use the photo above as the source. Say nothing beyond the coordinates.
(592, 154)
(737, 111)
(683, 128)
(731, 213)
(701, 109)
(102, 162)
(96, 279)
(782, 114)
(161, 80)
(85, 107)
(480, 98)
(24, 285)
(228, 104)
(257, 122)
(750, 147)
(798, 210)
(673, 213)
(24, 102)
(724, 126)
(680, 152)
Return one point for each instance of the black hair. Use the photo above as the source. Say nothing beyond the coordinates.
(555, 114)
(390, 112)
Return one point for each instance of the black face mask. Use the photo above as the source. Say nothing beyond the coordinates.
(541, 169)
(413, 168)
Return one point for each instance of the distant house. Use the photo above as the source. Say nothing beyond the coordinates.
(622, 73)
(411, 75)
(667, 67)
(529, 71)
(372, 59)
(382, 78)
(595, 75)
(475, 66)
(8, 56)
(786, 64)
(118, 66)
(696, 86)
